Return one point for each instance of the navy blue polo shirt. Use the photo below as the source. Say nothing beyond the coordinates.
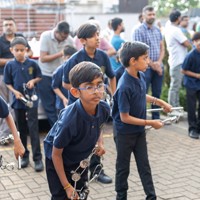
(5, 48)
(192, 63)
(130, 97)
(76, 132)
(17, 73)
(4, 112)
(57, 84)
(100, 58)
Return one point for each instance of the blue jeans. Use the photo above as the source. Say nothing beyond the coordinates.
(175, 84)
(48, 99)
(126, 145)
(155, 81)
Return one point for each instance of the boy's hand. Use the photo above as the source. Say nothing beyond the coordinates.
(156, 124)
(18, 94)
(30, 84)
(100, 150)
(71, 193)
(167, 107)
(18, 148)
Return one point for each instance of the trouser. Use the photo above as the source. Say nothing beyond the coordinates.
(55, 186)
(6, 95)
(27, 123)
(193, 97)
(175, 84)
(95, 165)
(126, 145)
(48, 99)
(155, 81)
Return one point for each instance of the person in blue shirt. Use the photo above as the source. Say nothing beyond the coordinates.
(116, 40)
(21, 76)
(77, 131)
(88, 34)
(60, 91)
(129, 119)
(191, 81)
(5, 114)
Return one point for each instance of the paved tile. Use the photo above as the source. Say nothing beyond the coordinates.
(174, 159)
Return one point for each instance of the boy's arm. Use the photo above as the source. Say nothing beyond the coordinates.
(61, 95)
(18, 147)
(30, 84)
(59, 167)
(17, 94)
(191, 74)
(159, 102)
(100, 147)
(113, 85)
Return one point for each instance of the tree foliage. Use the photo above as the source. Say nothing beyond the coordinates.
(164, 7)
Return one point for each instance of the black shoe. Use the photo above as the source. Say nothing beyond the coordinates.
(193, 134)
(103, 178)
(24, 162)
(39, 166)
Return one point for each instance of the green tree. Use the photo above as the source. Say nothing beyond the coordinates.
(164, 7)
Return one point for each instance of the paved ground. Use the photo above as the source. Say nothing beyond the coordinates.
(174, 158)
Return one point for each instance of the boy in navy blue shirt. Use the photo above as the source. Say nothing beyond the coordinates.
(61, 92)
(88, 34)
(191, 80)
(4, 113)
(129, 115)
(77, 131)
(21, 76)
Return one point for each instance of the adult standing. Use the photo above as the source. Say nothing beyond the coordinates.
(151, 35)
(9, 33)
(177, 44)
(52, 43)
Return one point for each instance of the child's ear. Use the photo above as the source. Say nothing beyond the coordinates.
(132, 61)
(75, 92)
(83, 41)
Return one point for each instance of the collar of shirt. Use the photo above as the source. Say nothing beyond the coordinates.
(84, 114)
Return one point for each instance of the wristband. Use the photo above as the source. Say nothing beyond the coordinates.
(67, 186)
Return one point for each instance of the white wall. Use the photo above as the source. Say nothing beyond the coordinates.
(75, 20)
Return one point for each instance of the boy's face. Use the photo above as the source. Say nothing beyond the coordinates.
(19, 52)
(197, 44)
(91, 43)
(141, 63)
(91, 93)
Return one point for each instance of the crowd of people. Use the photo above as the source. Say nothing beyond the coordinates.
(71, 78)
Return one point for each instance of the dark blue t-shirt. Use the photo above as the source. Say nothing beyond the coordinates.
(5, 48)
(192, 63)
(4, 112)
(100, 58)
(130, 97)
(57, 83)
(16, 74)
(76, 132)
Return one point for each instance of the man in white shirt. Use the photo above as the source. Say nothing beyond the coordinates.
(177, 46)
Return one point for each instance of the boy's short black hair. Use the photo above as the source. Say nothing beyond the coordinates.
(86, 30)
(69, 50)
(115, 23)
(84, 72)
(196, 36)
(18, 40)
(63, 27)
(130, 50)
(174, 15)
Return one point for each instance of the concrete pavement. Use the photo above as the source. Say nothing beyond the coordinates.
(174, 158)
